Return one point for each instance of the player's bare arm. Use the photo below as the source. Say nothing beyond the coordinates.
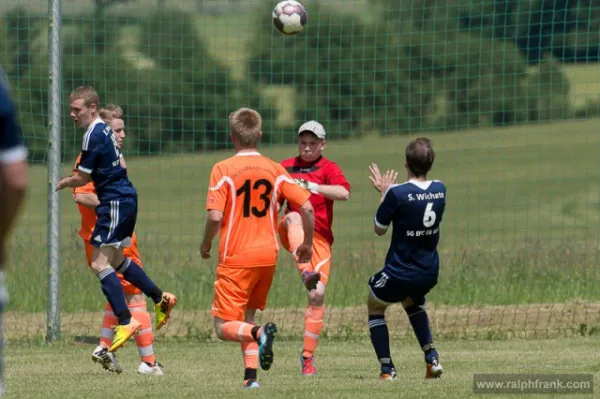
(332, 192)
(13, 186)
(77, 180)
(381, 183)
(89, 200)
(304, 251)
(211, 229)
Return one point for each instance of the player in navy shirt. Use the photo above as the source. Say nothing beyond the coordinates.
(13, 185)
(101, 163)
(415, 209)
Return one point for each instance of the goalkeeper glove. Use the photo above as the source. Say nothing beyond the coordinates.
(310, 186)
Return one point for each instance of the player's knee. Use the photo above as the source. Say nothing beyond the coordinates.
(219, 329)
(250, 316)
(293, 218)
(316, 297)
(375, 306)
(135, 298)
(98, 266)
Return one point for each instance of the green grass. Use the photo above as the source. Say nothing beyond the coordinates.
(346, 369)
(521, 225)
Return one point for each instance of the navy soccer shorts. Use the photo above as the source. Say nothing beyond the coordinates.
(390, 290)
(115, 224)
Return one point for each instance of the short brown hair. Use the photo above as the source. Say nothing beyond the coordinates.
(110, 112)
(420, 156)
(246, 124)
(87, 94)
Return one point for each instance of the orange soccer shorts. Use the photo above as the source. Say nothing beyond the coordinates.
(321, 257)
(128, 288)
(240, 288)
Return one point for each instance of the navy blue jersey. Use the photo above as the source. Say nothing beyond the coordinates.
(11, 146)
(101, 158)
(415, 208)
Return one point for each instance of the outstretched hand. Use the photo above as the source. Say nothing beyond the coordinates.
(382, 182)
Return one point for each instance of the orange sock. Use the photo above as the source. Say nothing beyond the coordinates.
(239, 331)
(250, 353)
(107, 334)
(295, 237)
(313, 322)
(145, 337)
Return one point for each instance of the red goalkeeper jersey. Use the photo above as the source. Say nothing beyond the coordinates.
(321, 171)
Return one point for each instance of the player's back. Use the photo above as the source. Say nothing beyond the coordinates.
(246, 188)
(416, 209)
(101, 159)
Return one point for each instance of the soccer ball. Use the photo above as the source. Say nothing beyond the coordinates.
(289, 17)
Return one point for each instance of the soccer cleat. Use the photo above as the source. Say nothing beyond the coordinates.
(163, 309)
(310, 278)
(106, 359)
(148, 369)
(387, 373)
(265, 345)
(434, 368)
(251, 383)
(308, 365)
(123, 333)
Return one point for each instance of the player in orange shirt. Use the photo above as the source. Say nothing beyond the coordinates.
(327, 183)
(242, 204)
(86, 199)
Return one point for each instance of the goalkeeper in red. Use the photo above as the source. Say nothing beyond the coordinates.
(327, 184)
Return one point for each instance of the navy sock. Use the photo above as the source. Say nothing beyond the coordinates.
(133, 273)
(420, 324)
(380, 338)
(250, 374)
(113, 291)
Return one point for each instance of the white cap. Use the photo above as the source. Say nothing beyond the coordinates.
(313, 126)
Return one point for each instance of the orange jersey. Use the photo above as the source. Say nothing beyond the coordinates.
(88, 219)
(246, 188)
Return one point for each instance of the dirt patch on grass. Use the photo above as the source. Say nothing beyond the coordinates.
(533, 320)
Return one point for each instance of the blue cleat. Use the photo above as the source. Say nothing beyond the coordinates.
(265, 345)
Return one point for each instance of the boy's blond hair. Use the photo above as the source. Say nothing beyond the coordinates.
(87, 94)
(110, 112)
(246, 124)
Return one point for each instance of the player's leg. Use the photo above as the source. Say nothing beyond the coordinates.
(380, 337)
(258, 300)
(315, 310)
(144, 339)
(100, 354)
(250, 355)
(113, 291)
(415, 309)
(120, 235)
(233, 290)
(292, 235)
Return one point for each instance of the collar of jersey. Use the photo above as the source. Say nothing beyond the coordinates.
(247, 154)
(94, 123)
(423, 185)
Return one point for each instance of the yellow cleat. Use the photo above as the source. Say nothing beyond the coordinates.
(123, 333)
(163, 309)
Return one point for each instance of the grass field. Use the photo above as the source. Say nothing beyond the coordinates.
(346, 369)
(521, 229)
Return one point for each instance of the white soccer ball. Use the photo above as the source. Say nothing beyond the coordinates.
(289, 17)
